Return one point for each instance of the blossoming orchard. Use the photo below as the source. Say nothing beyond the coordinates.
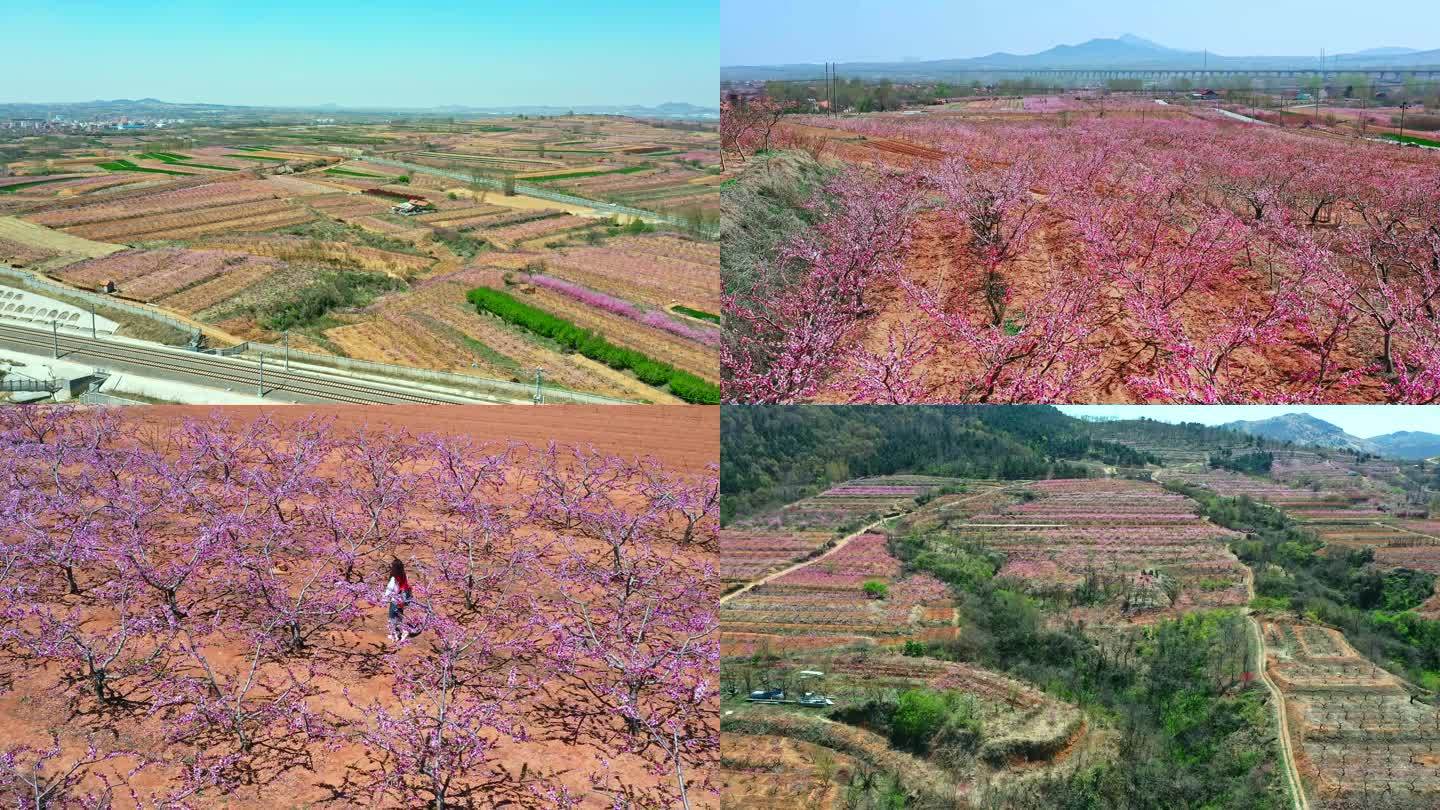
(1174, 257)
(195, 617)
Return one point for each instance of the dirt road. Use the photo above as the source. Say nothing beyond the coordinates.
(839, 545)
(1292, 774)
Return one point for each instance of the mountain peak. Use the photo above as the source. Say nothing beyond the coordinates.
(1302, 428)
(1141, 42)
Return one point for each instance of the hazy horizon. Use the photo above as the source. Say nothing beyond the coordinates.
(804, 31)
(1363, 421)
(311, 53)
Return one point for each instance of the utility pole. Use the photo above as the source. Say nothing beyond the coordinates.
(827, 87)
(94, 335)
(834, 89)
(55, 336)
(260, 389)
(1404, 105)
(539, 397)
(287, 349)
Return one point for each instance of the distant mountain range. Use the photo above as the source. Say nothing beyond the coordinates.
(1127, 51)
(1302, 428)
(155, 108)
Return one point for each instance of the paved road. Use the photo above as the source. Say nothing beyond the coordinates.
(225, 372)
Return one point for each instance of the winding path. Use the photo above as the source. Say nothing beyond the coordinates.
(1292, 774)
(1287, 752)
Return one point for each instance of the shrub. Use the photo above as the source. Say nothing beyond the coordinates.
(337, 290)
(919, 715)
(875, 589)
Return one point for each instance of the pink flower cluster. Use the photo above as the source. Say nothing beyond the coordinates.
(623, 308)
(1302, 237)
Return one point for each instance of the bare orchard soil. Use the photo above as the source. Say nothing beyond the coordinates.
(684, 439)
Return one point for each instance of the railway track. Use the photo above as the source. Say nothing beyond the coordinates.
(224, 371)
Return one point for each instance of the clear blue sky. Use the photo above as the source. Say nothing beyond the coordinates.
(363, 52)
(767, 32)
(1365, 421)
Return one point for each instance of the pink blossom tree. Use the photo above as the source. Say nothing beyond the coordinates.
(783, 340)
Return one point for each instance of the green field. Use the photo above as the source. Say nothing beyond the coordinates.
(180, 160)
(550, 151)
(1390, 136)
(259, 157)
(18, 186)
(349, 173)
(575, 175)
(127, 166)
(494, 128)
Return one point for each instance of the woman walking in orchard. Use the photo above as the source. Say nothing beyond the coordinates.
(397, 596)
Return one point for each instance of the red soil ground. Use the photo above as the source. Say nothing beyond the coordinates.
(684, 439)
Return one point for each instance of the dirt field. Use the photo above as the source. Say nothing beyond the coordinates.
(329, 220)
(681, 436)
(27, 233)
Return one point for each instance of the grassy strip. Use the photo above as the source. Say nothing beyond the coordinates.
(695, 313)
(349, 173)
(573, 175)
(1390, 136)
(682, 384)
(548, 150)
(494, 128)
(16, 187)
(127, 166)
(259, 157)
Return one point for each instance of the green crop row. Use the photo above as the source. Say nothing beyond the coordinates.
(696, 313)
(682, 384)
(11, 189)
